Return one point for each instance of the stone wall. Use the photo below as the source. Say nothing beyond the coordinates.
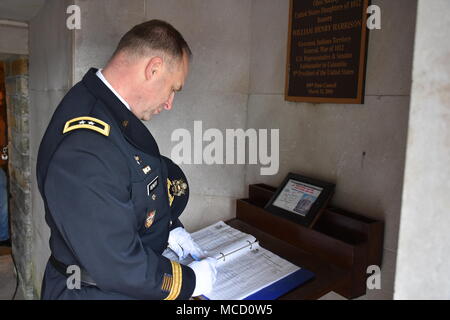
(17, 101)
(50, 79)
(424, 242)
(359, 147)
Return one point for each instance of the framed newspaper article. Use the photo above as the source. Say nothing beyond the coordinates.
(301, 199)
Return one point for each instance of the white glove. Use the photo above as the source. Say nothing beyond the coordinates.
(180, 241)
(205, 275)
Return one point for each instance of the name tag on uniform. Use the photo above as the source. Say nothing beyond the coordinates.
(152, 185)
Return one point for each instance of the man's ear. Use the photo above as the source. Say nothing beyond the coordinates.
(154, 67)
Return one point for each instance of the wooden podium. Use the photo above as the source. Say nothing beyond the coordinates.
(338, 249)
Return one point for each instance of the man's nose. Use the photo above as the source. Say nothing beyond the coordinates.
(169, 103)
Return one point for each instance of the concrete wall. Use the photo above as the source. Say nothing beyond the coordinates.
(50, 79)
(216, 91)
(13, 39)
(329, 141)
(424, 244)
(20, 10)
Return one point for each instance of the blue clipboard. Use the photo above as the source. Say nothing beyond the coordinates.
(282, 286)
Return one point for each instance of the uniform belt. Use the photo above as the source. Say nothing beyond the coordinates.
(86, 279)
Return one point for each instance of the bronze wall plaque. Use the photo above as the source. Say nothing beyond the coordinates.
(327, 47)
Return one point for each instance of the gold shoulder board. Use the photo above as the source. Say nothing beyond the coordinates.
(87, 123)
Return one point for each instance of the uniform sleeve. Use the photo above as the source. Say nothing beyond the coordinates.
(88, 193)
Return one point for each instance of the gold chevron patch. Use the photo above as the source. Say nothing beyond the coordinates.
(87, 123)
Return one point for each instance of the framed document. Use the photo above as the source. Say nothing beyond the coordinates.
(327, 51)
(300, 199)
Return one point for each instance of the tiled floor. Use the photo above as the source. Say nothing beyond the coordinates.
(7, 277)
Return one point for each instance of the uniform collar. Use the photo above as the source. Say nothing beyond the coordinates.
(110, 87)
(132, 128)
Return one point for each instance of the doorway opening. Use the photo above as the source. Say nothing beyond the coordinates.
(15, 163)
(5, 238)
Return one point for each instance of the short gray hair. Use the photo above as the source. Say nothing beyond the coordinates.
(154, 35)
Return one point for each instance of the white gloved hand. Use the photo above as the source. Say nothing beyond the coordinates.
(205, 275)
(181, 242)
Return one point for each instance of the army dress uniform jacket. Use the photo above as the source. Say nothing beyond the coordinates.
(110, 201)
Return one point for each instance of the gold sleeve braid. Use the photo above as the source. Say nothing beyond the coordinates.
(177, 280)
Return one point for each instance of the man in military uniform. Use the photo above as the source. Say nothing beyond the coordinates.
(112, 201)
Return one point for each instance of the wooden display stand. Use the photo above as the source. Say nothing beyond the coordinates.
(338, 249)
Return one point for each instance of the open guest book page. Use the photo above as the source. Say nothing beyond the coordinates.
(245, 270)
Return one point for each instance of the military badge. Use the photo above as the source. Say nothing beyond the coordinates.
(179, 187)
(150, 218)
(176, 188)
(147, 169)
